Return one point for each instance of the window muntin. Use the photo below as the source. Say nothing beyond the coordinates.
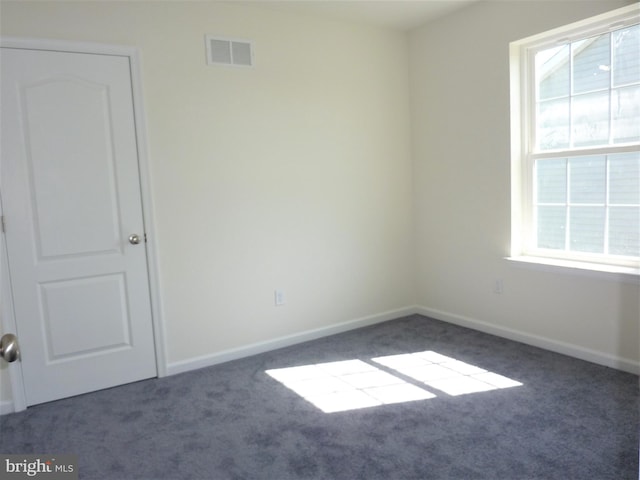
(577, 134)
(587, 92)
(588, 204)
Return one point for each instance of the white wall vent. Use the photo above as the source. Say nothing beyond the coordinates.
(229, 51)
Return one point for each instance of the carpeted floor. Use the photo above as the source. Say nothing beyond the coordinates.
(568, 419)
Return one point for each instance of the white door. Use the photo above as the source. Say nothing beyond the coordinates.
(70, 190)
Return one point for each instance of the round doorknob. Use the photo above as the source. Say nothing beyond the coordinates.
(134, 239)
(9, 347)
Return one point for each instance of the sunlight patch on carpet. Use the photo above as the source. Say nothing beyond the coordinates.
(352, 384)
(347, 385)
(445, 373)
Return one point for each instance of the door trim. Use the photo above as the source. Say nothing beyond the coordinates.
(7, 320)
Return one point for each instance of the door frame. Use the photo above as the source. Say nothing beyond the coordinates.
(7, 316)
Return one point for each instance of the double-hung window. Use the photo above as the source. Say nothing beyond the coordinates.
(576, 142)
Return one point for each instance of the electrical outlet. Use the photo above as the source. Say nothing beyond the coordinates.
(279, 297)
(498, 286)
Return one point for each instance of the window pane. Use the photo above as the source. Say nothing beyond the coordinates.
(552, 72)
(551, 180)
(624, 231)
(581, 166)
(590, 119)
(587, 179)
(553, 124)
(624, 179)
(551, 227)
(625, 105)
(591, 64)
(626, 56)
(586, 229)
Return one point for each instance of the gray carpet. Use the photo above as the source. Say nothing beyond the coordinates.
(568, 420)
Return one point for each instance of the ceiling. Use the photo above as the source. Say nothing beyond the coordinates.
(397, 14)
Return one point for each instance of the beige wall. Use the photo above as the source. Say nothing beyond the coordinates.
(460, 125)
(295, 174)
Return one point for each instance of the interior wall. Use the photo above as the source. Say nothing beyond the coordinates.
(297, 174)
(461, 145)
(292, 175)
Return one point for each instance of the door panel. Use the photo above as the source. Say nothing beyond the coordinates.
(84, 168)
(104, 301)
(71, 197)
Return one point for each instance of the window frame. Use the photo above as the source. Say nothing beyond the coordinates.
(523, 153)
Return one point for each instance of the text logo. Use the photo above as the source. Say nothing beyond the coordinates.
(50, 467)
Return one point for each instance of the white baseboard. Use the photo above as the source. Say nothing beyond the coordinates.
(261, 347)
(627, 365)
(564, 348)
(6, 406)
(557, 346)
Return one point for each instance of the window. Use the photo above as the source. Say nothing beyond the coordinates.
(576, 141)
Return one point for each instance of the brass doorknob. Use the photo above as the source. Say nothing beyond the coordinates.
(9, 347)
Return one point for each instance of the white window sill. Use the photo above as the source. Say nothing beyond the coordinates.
(600, 271)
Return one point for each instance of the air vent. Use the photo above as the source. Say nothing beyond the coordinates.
(228, 51)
